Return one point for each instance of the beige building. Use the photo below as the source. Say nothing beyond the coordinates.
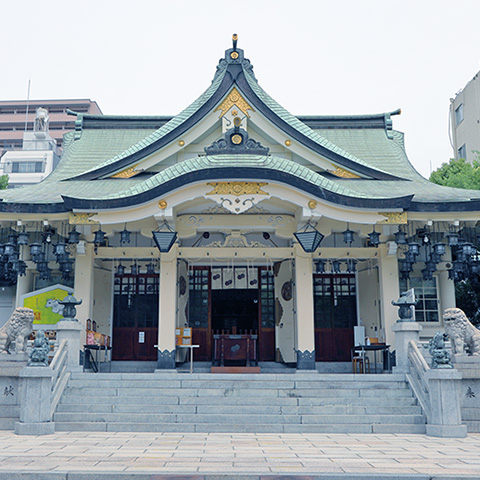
(240, 221)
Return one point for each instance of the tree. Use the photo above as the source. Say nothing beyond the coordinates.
(3, 182)
(458, 173)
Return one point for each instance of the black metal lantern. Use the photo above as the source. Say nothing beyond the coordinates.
(320, 266)
(164, 237)
(351, 265)
(309, 238)
(348, 235)
(457, 266)
(150, 268)
(46, 274)
(21, 268)
(439, 249)
(452, 239)
(73, 236)
(453, 275)
(467, 249)
(42, 266)
(120, 269)
(475, 267)
(414, 248)
(59, 249)
(134, 269)
(400, 237)
(66, 266)
(2, 249)
(427, 274)
(35, 249)
(374, 238)
(125, 235)
(9, 249)
(406, 266)
(431, 266)
(22, 238)
(99, 237)
(12, 238)
(336, 267)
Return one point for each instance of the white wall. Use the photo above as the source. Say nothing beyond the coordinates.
(7, 303)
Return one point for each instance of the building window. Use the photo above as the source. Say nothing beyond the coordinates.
(28, 167)
(459, 114)
(199, 297)
(462, 152)
(426, 309)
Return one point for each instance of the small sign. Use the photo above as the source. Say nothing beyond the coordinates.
(141, 337)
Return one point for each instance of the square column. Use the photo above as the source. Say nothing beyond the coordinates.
(167, 309)
(305, 328)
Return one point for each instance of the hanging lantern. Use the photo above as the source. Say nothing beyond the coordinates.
(400, 237)
(427, 274)
(348, 235)
(336, 267)
(59, 249)
(21, 268)
(46, 274)
(12, 238)
(351, 266)
(42, 266)
(467, 249)
(66, 266)
(134, 269)
(431, 266)
(452, 239)
(73, 236)
(406, 266)
(164, 239)
(99, 237)
(120, 269)
(453, 275)
(439, 249)
(374, 238)
(320, 266)
(457, 266)
(22, 238)
(310, 238)
(150, 268)
(2, 249)
(414, 248)
(35, 249)
(125, 235)
(475, 267)
(9, 249)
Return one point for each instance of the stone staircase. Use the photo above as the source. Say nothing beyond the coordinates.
(256, 403)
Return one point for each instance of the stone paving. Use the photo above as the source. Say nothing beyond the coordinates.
(240, 455)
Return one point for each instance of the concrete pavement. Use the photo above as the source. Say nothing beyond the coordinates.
(142, 456)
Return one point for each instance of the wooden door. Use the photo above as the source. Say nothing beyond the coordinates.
(135, 318)
(199, 312)
(335, 310)
(284, 315)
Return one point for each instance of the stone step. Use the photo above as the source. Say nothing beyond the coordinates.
(241, 428)
(8, 423)
(243, 409)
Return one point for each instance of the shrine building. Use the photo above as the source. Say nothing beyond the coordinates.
(236, 217)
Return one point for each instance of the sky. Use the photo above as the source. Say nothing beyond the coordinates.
(335, 57)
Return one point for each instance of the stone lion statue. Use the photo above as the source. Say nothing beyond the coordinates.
(461, 332)
(17, 330)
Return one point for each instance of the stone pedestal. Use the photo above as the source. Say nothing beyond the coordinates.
(404, 332)
(35, 411)
(71, 331)
(445, 418)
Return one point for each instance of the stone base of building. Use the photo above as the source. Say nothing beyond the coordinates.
(41, 428)
(305, 360)
(447, 431)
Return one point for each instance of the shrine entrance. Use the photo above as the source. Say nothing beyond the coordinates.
(232, 301)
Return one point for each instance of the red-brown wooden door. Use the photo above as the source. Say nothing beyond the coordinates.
(335, 308)
(135, 318)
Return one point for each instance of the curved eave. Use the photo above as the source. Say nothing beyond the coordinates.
(229, 173)
(235, 75)
(461, 206)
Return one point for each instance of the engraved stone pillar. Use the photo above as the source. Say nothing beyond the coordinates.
(71, 331)
(404, 332)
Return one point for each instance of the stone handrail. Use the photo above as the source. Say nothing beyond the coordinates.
(417, 378)
(60, 374)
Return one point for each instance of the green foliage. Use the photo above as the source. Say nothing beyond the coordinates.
(458, 173)
(3, 182)
(467, 296)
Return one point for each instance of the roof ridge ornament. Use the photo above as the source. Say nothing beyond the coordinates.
(236, 141)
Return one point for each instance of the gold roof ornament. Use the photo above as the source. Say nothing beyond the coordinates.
(127, 173)
(237, 188)
(81, 218)
(234, 98)
(393, 218)
(342, 173)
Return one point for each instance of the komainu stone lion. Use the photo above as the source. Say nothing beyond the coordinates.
(461, 332)
(17, 330)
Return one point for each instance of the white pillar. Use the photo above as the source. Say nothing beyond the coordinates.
(71, 331)
(84, 286)
(404, 333)
(446, 292)
(167, 301)
(389, 290)
(24, 286)
(305, 328)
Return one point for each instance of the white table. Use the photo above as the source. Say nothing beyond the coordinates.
(191, 347)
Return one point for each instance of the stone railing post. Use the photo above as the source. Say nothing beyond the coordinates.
(445, 416)
(35, 400)
(404, 332)
(71, 331)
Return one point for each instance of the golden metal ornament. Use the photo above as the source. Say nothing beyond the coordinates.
(234, 55)
(342, 173)
(237, 121)
(288, 143)
(312, 204)
(393, 218)
(181, 143)
(237, 139)
(237, 188)
(162, 204)
(81, 218)
(234, 113)
(127, 173)
(234, 98)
